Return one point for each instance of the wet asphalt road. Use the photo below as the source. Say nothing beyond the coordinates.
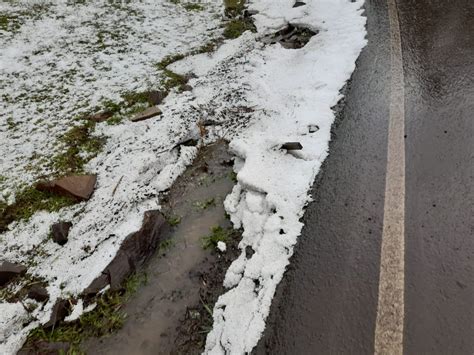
(327, 302)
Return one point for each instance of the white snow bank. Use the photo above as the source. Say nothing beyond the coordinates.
(67, 57)
(292, 90)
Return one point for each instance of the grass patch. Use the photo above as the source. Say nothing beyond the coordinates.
(219, 234)
(170, 59)
(204, 205)
(105, 319)
(165, 246)
(28, 201)
(193, 7)
(173, 80)
(110, 106)
(77, 140)
(235, 28)
(206, 48)
(174, 221)
(234, 8)
(233, 176)
(132, 98)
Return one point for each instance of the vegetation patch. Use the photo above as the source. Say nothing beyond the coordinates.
(219, 234)
(174, 220)
(11, 22)
(193, 7)
(234, 8)
(235, 28)
(204, 205)
(106, 318)
(80, 147)
(165, 246)
(206, 48)
(28, 201)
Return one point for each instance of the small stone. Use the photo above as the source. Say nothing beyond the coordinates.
(156, 97)
(249, 251)
(313, 128)
(58, 313)
(249, 13)
(78, 186)
(9, 271)
(221, 246)
(299, 3)
(189, 142)
(101, 116)
(186, 87)
(148, 113)
(38, 293)
(60, 232)
(292, 146)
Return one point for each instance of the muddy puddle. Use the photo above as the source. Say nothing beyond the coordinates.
(159, 315)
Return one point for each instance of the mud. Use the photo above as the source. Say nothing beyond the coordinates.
(168, 314)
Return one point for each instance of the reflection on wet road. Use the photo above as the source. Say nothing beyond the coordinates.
(328, 301)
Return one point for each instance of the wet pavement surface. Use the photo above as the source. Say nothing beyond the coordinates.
(327, 302)
(439, 72)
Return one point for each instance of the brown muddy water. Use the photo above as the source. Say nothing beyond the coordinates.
(164, 316)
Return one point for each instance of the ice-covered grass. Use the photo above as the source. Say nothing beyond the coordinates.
(59, 60)
(257, 96)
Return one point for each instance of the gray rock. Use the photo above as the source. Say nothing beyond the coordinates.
(148, 113)
(299, 3)
(38, 293)
(186, 87)
(292, 146)
(156, 97)
(58, 313)
(9, 271)
(101, 116)
(60, 232)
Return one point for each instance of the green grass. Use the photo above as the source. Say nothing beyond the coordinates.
(219, 234)
(174, 220)
(193, 7)
(204, 205)
(76, 141)
(131, 98)
(234, 8)
(235, 28)
(28, 201)
(206, 48)
(165, 246)
(233, 176)
(170, 59)
(105, 319)
(173, 80)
